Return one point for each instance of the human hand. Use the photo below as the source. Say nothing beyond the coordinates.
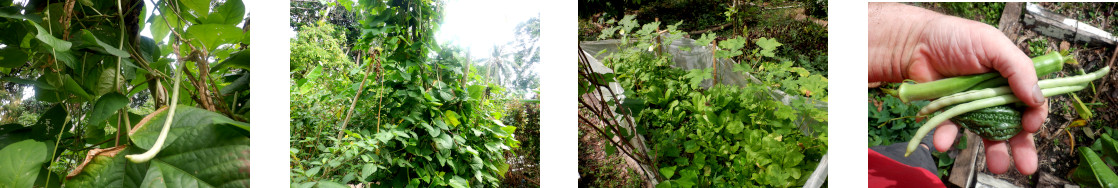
(913, 43)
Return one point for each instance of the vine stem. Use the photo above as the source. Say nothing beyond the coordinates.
(353, 104)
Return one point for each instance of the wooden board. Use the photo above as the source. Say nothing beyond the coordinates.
(1059, 26)
(962, 173)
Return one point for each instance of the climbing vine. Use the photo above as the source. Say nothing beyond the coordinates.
(410, 112)
(108, 71)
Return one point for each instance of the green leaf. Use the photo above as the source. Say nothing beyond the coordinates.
(74, 88)
(330, 184)
(667, 172)
(12, 57)
(239, 59)
(313, 171)
(697, 76)
(200, 8)
(188, 121)
(232, 12)
(476, 91)
(767, 46)
(452, 118)
(21, 162)
(1092, 171)
(706, 39)
(106, 106)
(735, 127)
(368, 170)
(691, 146)
(210, 36)
(458, 182)
(444, 142)
(58, 45)
(213, 153)
(161, 23)
(89, 38)
(109, 80)
(240, 84)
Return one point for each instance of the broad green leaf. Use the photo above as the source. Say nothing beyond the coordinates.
(452, 118)
(706, 39)
(1092, 171)
(210, 36)
(433, 130)
(735, 127)
(667, 172)
(330, 184)
(458, 182)
(444, 142)
(74, 88)
(768, 45)
(240, 84)
(476, 91)
(106, 106)
(12, 57)
(368, 170)
(314, 73)
(509, 129)
(109, 80)
(58, 45)
(200, 8)
(89, 38)
(232, 12)
(239, 59)
(162, 23)
(188, 121)
(202, 150)
(21, 162)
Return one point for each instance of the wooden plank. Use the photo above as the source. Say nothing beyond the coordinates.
(962, 173)
(1059, 26)
(1011, 18)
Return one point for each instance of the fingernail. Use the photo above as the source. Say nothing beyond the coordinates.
(1038, 97)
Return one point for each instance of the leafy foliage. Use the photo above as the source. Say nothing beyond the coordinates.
(723, 135)
(892, 121)
(95, 76)
(410, 113)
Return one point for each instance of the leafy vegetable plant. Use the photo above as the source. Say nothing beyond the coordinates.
(721, 135)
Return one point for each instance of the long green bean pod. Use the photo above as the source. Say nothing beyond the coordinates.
(1044, 65)
(975, 105)
(990, 92)
(146, 156)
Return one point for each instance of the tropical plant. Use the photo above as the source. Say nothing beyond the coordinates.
(410, 112)
(125, 108)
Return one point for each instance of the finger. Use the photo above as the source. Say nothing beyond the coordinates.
(997, 156)
(1034, 118)
(1024, 153)
(944, 136)
(1014, 65)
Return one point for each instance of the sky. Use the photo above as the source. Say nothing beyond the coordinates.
(479, 26)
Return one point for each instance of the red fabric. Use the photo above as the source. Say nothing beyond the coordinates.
(885, 172)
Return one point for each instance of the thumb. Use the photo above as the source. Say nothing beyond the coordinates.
(1013, 64)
